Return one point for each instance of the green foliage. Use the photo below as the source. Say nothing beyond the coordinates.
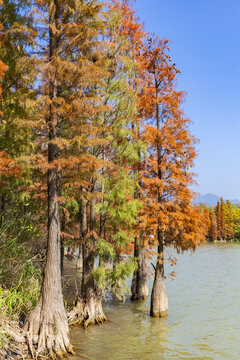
(236, 220)
(102, 277)
(119, 276)
(19, 277)
(230, 222)
(105, 249)
(115, 279)
(119, 208)
(73, 207)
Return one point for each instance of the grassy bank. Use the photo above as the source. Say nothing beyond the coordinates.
(20, 279)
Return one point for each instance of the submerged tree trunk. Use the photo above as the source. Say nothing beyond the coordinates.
(139, 286)
(48, 323)
(159, 299)
(88, 309)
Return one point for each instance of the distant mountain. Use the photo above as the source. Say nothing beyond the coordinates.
(212, 199)
(209, 199)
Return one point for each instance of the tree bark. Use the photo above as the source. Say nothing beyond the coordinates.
(139, 286)
(79, 258)
(159, 299)
(88, 309)
(83, 231)
(62, 241)
(48, 321)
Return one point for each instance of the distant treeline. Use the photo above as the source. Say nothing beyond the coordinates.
(223, 221)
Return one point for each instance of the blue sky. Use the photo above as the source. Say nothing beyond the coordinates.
(205, 44)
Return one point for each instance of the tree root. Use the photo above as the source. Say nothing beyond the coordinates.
(47, 334)
(94, 320)
(18, 338)
(87, 313)
(86, 357)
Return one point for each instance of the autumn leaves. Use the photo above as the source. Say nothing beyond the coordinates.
(105, 133)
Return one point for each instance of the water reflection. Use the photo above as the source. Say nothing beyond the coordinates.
(131, 334)
(203, 321)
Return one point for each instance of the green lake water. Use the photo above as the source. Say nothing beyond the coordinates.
(203, 321)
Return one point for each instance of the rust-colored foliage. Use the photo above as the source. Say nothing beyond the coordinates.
(223, 221)
(3, 69)
(206, 214)
(213, 233)
(220, 222)
(8, 167)
(229, 224)
(165, 172)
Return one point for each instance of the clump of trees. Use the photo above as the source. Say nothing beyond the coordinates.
(223, 221)
(95, 150)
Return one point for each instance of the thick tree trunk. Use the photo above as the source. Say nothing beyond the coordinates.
(48, 321)
(139, 286)
(88, 309)
(159, 299)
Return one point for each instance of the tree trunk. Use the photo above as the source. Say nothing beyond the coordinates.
(83, 231)
(48, 321)
(159, 299)
(88, 309)
(139, 286)
(79, 258)
(2, 213)
(105, 259)
(62, 254)
(62, 241)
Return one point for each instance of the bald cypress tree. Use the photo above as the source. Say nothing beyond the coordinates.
(228, 219)
(220, 220)
(66, 82)
(17, 97)
(167, 216)
(213, 233)
(109, 184)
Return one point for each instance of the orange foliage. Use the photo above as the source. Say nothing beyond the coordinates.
(8, 167)
(213, 233)
(3, 67)
(220, 222)
(165, 173)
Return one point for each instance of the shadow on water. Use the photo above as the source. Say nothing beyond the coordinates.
(203, 321)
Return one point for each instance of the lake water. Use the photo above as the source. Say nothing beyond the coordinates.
(203, 321)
